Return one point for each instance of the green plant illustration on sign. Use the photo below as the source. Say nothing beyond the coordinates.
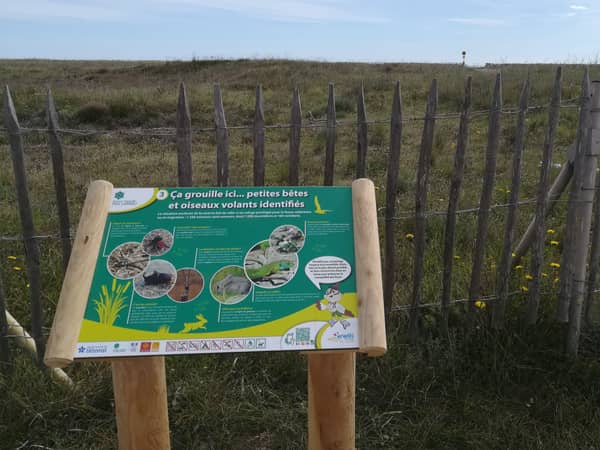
(111, 303)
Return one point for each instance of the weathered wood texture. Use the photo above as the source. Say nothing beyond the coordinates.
(330, 143)
(5, 366)
(295, 131)
(32, 251)
(183, 137)
(60, 188)
(453, 197)
(539, 240)
(566, 262)
(258, 139)
(362, 144)
(140, 390)
(331, 401)
(504, 267)
(222, 138)
(390, 198)
(586, 190)
(594, 264)
(78, 278)
(421, 207)
(491, 152)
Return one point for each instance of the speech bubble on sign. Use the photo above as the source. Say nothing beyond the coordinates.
(327, 270)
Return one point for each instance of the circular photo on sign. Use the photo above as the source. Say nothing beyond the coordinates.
(127, 260)
(287, 239)
(157, 242)
(267, 268)
(229, 285)
(188, 286)
(156, 280)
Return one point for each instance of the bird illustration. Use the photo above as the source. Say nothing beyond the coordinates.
(318, 209)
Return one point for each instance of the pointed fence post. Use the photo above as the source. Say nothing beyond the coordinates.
(586, 190)
(537, 250)
(258, 139)
(295, 129)
(183, 136)
(222, 138)
(568, 254)
(5, 365)
(390, 198)
(58, 169)
(330, 146)
(503, 276)
(594, 259)
(32, 251)
(362, 145)
(487, 190)
(453, 197)
(421, 208)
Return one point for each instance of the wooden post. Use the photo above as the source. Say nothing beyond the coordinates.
(499, 306)
(594, 259)
(58, 169)
(222, 138)
(591, 150)
(32, 251)
(78, 279)
(485, 202)
(450, 229)
(566, 262)
(258, 139)
(140, 390)
(421, 208)
(390, 198)
(183, 135)
(295, 129)
(5, 366)
(330, 146)
(362, 145)
(537, 251)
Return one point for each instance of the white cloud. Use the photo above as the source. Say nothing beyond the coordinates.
(478, 21)
(579, 8)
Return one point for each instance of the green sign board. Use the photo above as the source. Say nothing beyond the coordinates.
(210, 270)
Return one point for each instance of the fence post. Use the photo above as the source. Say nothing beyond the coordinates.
(390, 198)
(487, 190)
(330, 146)
(295, 129)
(420, 209)
(537, 251)
(222, 138)
(511, 216)
(450, 229)
(591, 150)
(594, 259)
(566, 261)
(362, 145)
(32, 251)
(183, 136)
(258, 139)
(58, 169)
(6, 367)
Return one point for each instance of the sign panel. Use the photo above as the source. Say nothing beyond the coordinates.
(212, 270)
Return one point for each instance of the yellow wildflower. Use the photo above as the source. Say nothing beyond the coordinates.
(514, 255)
(519, 267)
(12, 257)
(524, 289)
(409, 236)
(553, 242)
(17, 268)
(479, 304)
(456, 257)
(544, 274)
(555, 265)
(556, 280)
(529, 277)
(27, 285)
(550, 231)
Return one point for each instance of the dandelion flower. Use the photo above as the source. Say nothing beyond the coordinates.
(556, 280)
(409, 236)
(514, 255)
(519, 267)
(550, 231)
(11, 257)
(524, 289)
(456, 257)
(479, 304)
(555, 265)
(553, 242)
(17, 268)
(529, 277)
(27, 285)
(544, 274)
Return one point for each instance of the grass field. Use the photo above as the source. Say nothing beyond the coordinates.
(481, 389)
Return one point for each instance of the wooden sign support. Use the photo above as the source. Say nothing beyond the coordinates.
(139, 383)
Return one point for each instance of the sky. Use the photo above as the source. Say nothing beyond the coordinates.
(326, 30)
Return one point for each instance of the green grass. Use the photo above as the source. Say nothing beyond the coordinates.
(515, 389)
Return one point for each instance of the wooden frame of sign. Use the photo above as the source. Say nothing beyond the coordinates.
(140, 388)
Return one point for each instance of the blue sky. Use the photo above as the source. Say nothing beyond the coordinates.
(334, 30)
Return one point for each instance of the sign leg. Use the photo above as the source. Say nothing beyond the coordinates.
(140, 388)
(331, 399)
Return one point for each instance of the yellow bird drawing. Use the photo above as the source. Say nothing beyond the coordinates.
(318, 209)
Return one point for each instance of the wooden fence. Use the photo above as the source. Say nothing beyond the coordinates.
(578, 279)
